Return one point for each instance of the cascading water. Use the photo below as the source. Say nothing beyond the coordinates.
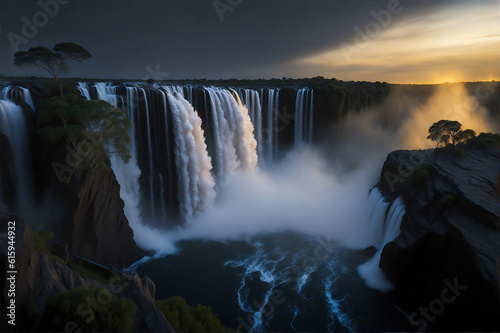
(251, 100)
(84, 90)
(245, 142)
(165, 112)
(13, 126)
(239, 128)
(127, 174)
(304, 116)
(16, 94)
(263, 107)
(385, 223)
(186, 140)
(235, 145)
(196, 185)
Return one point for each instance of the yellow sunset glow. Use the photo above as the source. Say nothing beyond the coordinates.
(444, 46)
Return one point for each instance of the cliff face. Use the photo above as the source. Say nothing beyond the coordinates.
(87, 210)
(98, 229)
(450, 235)
(38, 280)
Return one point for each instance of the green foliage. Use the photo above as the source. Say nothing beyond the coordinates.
(72, 51)
(94, 129)
(185, 318)
(448, 200)
(95, 310)
(53, 61)
(460, 153)
(418, 175)
(484, 140)
(464, 136)
(42, 246)
(446, 132)
(88, 273)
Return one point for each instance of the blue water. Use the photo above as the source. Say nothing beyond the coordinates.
(280, 282)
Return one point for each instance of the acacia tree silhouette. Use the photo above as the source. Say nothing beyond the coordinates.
(53, 61)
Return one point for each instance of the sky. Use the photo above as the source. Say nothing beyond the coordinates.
(426, 41)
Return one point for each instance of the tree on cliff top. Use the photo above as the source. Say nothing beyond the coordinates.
(53, 61)
(445, 131)
(91, 130)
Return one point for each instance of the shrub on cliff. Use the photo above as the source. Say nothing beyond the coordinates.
(484, 140)
(95, 310)
(185, 318)
(91, 131)
(42, 246)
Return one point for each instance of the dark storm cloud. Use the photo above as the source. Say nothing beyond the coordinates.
(187, 38)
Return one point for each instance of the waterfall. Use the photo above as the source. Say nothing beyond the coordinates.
(235, 145)
(298, 117)
(311, 116)
(166, 183)
(263, 110)
(385, 224)
(16, 94)
(13, 125)
(378, 211)
(196, 185)
(252, 102)
(276, 124)
(242, 126)
(269, 127)
(84, 89)
(127, 174)
(304, 116)
(245, 140)
(106, 93)
(180, 160)
(193, 165)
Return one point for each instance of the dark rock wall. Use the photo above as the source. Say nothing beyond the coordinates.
(450, 232)
(98, 229)
(38, 280)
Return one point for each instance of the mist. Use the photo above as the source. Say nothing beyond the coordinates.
(450, 102)
(323, 191)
